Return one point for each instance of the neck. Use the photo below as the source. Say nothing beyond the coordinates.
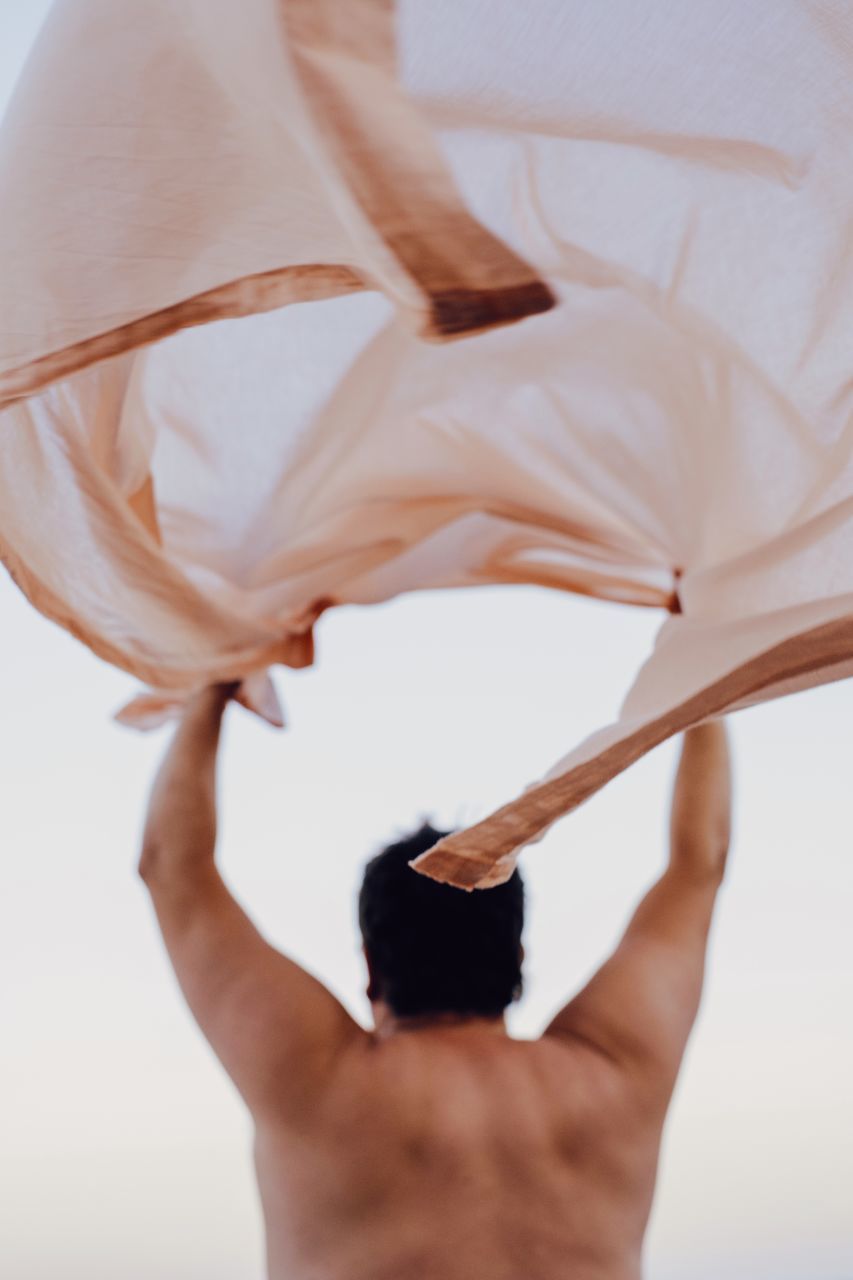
(387, 1023)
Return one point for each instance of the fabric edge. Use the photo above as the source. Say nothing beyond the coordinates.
(470, 859)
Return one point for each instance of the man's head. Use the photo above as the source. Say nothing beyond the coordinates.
(432, 949)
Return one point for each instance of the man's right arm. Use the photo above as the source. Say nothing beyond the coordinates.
(638, 1009)
(277, 1030)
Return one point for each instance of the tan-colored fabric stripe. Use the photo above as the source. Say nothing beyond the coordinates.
(453, 274)
(266, 291)
(482, 854)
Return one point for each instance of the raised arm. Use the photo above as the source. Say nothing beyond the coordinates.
(276, 1030)
(638, 1009)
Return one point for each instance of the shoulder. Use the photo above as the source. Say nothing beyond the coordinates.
(594, 1091)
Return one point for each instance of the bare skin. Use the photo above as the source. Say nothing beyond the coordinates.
(442, 1149)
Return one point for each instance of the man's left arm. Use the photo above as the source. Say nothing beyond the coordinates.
(277, 1031)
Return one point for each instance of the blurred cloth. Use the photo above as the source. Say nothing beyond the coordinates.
(235, 241)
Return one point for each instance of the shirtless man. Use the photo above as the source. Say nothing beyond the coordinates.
(435, 1147)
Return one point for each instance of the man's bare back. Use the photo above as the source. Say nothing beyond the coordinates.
(459, 1152)
(436, 1148)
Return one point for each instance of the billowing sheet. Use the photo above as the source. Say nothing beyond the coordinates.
(304, 304)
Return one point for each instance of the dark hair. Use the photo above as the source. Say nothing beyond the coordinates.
(434, 948)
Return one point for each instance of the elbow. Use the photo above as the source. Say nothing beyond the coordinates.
(702, 860)
(721, 839)
(170, 868)
(719, 858)
(148, 861)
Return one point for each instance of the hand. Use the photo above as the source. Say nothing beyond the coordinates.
(212, 698)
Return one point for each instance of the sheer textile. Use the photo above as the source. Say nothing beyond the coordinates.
(304, 304)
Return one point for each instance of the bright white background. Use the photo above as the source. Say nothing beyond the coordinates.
(124, 1150)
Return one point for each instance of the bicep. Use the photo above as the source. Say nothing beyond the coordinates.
(275, 1028)
(639, 1008)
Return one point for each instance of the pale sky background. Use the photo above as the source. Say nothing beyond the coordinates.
(124, 1150)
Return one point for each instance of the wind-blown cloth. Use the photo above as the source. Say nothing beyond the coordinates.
(226, 231)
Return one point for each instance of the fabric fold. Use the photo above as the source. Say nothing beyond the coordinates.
(226, 231)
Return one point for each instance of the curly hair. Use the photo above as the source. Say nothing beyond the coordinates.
(436, 949)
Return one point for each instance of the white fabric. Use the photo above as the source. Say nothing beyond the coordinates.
(680, 176)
